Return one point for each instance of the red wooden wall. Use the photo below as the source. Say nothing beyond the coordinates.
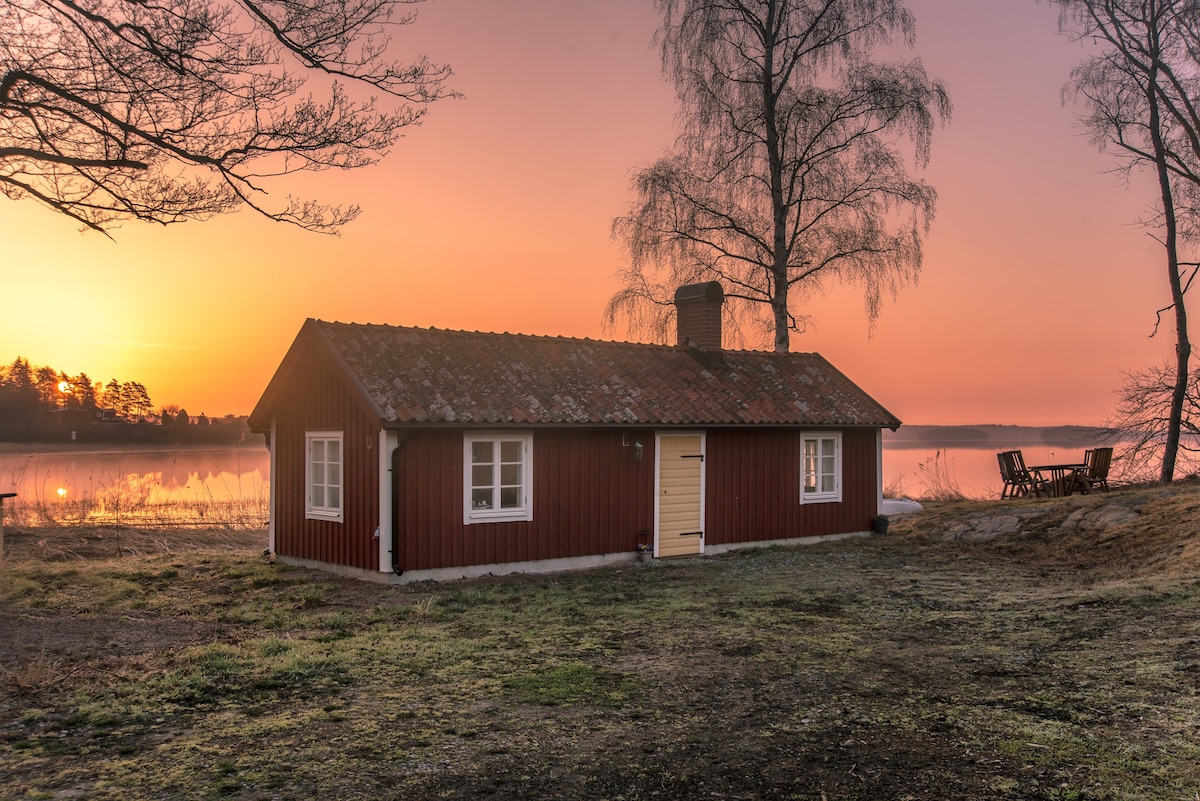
(316, 400)
(589, 497)
(752, 487)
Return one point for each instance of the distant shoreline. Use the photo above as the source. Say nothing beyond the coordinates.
(984, 436)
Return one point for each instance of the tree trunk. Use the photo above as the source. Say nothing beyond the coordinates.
(779, 211)
(779, 303)
(1183, 348)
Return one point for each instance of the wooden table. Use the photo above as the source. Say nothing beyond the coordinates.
(1059, 485)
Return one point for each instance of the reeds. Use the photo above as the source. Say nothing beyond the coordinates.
(130, 500)
(936, 477)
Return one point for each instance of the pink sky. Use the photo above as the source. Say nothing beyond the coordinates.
(1035, 294)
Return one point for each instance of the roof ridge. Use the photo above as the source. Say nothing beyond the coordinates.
(509, 334)
(558, 338)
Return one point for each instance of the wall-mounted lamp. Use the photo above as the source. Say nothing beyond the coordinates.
(630, 441)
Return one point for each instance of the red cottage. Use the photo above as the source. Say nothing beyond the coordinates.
(402, 454)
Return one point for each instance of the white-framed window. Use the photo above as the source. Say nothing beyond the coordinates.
(497, 477)
(820, 467)
(323, 475)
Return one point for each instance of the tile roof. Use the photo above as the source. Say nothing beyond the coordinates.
(431, 376)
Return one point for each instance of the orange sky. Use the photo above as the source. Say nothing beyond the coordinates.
(494, 215)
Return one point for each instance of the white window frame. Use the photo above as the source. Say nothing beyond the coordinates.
(819, 495)
(522, 512)
(324, 510)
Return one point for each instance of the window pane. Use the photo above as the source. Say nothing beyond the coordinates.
(481, 475)
(510, 498)
(318, 472)
(510, 475)
(819, 466)
(481, 498)
(810, 466)
(495, 477)
(334, 476)
(318, 496)
(510, 451)
(335, 498)
(335, 451)
(318, 450)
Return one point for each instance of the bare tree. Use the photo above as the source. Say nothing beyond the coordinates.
(1141, 92)
(1142, 418)
(182, 109)
(786, 171)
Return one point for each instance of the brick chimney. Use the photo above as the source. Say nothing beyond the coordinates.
(698, 315)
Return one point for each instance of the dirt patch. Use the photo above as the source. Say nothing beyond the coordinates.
(26, 637)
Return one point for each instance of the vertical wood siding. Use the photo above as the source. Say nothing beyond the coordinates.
(589, 497)
(316, 400)
(753, 487)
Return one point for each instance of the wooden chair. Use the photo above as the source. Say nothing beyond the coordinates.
(1095, 474)
(1018, 480)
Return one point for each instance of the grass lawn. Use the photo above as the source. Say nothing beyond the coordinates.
(961, 656)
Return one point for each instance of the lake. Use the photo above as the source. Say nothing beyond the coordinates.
(221, 486)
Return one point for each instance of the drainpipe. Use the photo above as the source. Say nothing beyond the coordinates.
(397, 502)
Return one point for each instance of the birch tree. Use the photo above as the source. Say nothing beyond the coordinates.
(1140, 93)
(183, 109)
(787, 174)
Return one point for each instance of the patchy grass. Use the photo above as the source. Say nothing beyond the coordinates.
(1054, 657)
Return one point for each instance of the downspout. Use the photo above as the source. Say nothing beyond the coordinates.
(272, 486)
(397, 501)
(878, 471)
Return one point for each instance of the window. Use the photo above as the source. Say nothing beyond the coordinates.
(323, 475)
(821, 471)
(496, 477)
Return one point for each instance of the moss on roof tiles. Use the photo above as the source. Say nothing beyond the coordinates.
(429, 375)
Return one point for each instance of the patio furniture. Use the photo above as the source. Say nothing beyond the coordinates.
(1095, 470)
(1062, 479)
(1018, 479)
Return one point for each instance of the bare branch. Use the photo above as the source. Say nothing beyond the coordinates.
(181, 109)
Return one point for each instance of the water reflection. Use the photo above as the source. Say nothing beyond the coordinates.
(215, 486)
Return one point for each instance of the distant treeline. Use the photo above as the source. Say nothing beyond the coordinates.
(41, 404)
(999, 435)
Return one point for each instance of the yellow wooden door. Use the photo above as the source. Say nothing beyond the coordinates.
(680, 486)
